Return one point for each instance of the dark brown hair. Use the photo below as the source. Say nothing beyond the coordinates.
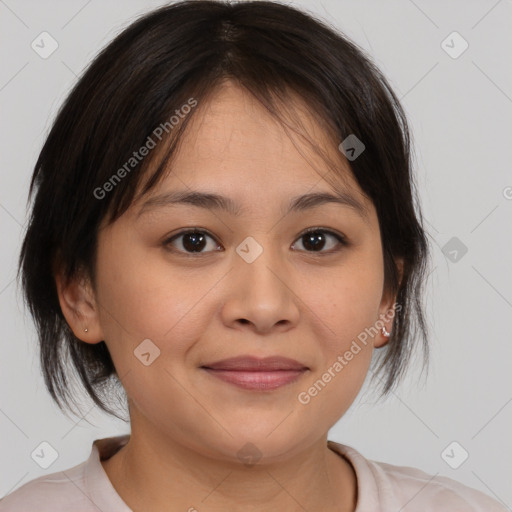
(136, 83)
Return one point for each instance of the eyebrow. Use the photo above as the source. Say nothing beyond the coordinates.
(212, 201)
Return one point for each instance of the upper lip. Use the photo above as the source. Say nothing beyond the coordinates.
(255, 364)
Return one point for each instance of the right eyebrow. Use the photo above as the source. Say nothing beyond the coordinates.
(212, 201)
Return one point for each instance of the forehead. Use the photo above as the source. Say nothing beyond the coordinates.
(233, 128)
(234, 147)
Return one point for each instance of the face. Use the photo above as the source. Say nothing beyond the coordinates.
(204, 284)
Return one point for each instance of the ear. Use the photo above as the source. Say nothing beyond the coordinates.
(387, 310)
(80, 308)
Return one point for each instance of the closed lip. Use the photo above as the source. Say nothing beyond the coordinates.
(256, 364)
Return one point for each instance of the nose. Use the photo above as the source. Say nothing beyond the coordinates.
(260, 295)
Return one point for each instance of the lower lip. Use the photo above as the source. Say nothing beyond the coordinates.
(260, 380)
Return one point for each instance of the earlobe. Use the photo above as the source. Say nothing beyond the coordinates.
(384, 324)
(388, 312)
(79, 307)
(382, 338)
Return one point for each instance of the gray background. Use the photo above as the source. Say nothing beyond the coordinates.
(460, 112)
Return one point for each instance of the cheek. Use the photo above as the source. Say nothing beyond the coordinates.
(141, 298)
(350, 309)
(330, 392)
(137, 287)
(347, 302)
(347, 307)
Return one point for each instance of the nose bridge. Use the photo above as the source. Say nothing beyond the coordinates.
(258, 263)
(260, 292)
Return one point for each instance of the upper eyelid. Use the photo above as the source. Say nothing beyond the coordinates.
(341, 238)
(169, 239)
(302, 233)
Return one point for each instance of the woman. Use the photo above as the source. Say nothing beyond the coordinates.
(224, 223)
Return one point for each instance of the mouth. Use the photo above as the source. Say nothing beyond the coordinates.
(252, 373)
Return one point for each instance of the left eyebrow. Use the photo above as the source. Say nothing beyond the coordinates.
(211, 201)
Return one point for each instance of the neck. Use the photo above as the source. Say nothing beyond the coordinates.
(153, 472)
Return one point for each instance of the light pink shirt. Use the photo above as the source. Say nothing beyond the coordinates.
(381, 488)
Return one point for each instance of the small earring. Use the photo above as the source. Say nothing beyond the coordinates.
(86, 330)
(385, 332)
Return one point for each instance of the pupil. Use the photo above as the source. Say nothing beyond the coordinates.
(314, 241)
(195, 242)
(194, 238)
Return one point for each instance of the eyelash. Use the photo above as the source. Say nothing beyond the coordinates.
(340, 238)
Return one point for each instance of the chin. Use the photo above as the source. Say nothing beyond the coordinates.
(250, 446)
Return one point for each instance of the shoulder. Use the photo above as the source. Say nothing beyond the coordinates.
(422, 491)
(61, 491)
(384, 487)
(82, 488)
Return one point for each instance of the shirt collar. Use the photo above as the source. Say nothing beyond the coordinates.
(100, 489)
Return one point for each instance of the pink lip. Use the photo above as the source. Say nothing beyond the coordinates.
(253, 373)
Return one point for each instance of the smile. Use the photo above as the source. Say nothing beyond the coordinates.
(259, 380)
(255, 374)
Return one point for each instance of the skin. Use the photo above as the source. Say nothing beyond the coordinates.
(187, 426)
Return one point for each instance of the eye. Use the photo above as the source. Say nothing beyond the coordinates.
(191, 241)
(198, 241)
(316, 239)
